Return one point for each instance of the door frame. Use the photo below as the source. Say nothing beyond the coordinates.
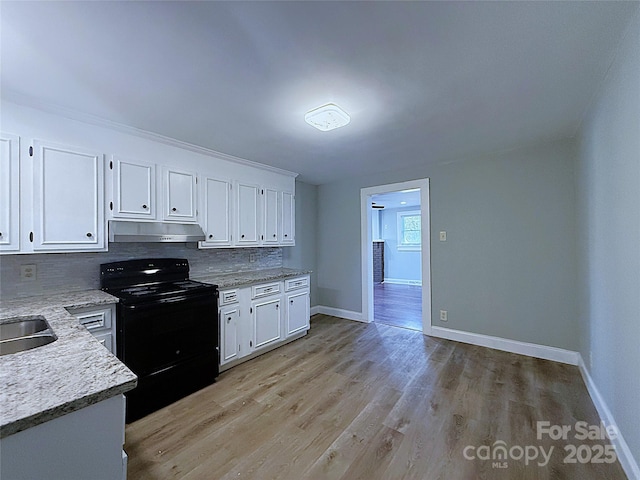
(367, 246)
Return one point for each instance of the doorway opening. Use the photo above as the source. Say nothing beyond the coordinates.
(396, 282)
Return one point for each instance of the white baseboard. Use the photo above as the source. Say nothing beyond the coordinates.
(629, 464)
(402, 281)
(506, 345)
(338, 312)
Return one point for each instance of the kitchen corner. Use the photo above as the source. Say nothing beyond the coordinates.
(66, 375)
(51, 385)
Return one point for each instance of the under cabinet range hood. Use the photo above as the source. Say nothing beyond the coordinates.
(163, 232)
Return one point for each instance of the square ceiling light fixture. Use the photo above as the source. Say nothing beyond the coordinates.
(327, 117)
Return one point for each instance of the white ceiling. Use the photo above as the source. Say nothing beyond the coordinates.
(422, 81)
(411, 198)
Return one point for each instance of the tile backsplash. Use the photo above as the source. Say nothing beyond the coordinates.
(64, 272)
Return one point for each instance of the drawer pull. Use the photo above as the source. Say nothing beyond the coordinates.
(93, 324)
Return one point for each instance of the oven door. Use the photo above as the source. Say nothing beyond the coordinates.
(156, 336)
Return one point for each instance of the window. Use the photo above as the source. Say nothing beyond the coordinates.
(409, 230)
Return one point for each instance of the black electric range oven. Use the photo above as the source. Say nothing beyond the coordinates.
(166, 330)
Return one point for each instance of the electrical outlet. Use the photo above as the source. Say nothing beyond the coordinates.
(252, 257)
(28, 273)
(443, 316)
(443, 236)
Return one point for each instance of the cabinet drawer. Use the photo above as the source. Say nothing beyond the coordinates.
(94, 319)
(295, 283)
(259, 291)
(228, 296)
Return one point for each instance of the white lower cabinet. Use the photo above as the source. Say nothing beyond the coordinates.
(266, 321)
(80, 445)
(100, 321)
(297, 312)
(229, 346)
(261, 317)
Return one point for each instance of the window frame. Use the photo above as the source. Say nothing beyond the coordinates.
(401, 245)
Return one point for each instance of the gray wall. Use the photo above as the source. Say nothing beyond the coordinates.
(303, 255)
(508, 268)
(398, 264)
(608, 184)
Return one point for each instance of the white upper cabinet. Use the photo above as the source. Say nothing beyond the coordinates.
(180, 202)
(68, 198)
(134, 189)
(271, 225)
(217, 205)
(288, 219)
(9, 193)
(247, 214)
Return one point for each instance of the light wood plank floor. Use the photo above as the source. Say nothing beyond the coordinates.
(367, 401)
(398, 305)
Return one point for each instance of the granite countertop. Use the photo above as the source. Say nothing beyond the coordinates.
(71, 373)
(239, 279)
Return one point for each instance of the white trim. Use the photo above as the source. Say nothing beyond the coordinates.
(314, 310)
(71, 114)
(403, 281)
(338, 312)
(625, 457)
(366, 247)
(514, 346)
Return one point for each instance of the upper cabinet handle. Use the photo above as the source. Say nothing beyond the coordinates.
(89, 234)
(174, 209)
(210, 236)
(145, 207)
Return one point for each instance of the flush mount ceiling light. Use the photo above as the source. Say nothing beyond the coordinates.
(327, 117)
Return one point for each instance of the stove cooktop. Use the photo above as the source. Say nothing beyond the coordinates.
(160, 290)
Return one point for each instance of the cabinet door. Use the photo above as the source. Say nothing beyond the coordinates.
(266, 322)
(180, 195)
(106, 339)
(270, 228)
(9, 193)
(297, 312)
(288, 219)
(134, 189)
(217, 212)
(68, 193)
(247, 214)
(229, 345)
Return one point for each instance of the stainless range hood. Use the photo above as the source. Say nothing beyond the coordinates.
(163, 232)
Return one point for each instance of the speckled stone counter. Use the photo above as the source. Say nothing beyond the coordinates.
(240, 279)
(66, 375)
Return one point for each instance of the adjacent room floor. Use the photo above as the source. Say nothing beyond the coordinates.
(368, 401)
(398, 305)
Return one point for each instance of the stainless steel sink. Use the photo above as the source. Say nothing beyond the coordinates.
(22, 327)
(24, 333)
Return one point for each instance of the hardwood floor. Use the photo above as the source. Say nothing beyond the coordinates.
(369, 401)
(398, 305)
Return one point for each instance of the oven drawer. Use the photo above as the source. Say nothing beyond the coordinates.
(296, 283)
(228, 297)
(259, 291)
